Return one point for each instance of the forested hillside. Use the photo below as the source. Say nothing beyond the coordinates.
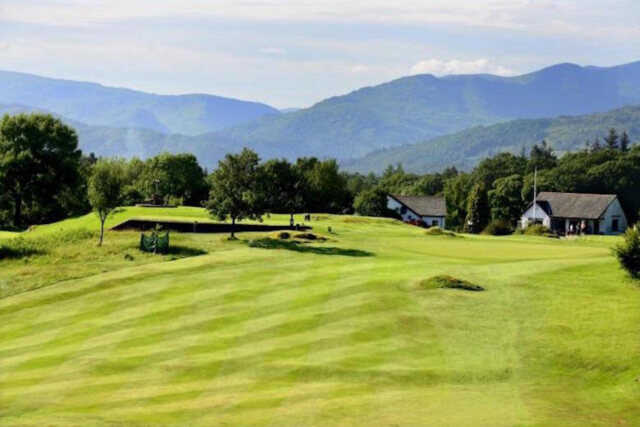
(465, 149)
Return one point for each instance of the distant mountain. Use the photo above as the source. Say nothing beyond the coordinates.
(465, 149)
(416, 108)
(95, 104)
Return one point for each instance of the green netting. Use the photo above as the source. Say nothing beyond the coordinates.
(155, 242)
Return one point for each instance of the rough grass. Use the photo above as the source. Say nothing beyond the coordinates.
(249, 336)
(437, 231)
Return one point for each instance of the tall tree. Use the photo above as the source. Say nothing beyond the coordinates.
(373, 202)
(236, 190)
(283, 187)
(105, 189)
(611, 141)
(506, 199)
(39, 163)
(478, 215)
(624, 142)
(541, 157)
(456, 192)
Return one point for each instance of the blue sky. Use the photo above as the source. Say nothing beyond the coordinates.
(295, 53)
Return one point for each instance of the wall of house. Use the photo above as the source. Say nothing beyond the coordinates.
(614, 211)
(408, 215)
(540, 214)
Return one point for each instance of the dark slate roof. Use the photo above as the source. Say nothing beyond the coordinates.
(575, 205)
(424, 205)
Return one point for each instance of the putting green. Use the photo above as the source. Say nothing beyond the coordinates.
(336, 335)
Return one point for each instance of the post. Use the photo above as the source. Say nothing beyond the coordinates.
(535, 191)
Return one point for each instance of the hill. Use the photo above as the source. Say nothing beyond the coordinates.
(219, 332)
(465, 149)
(421, 107)
(95, 104)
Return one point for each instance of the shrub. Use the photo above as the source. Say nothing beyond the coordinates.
(449, 282)
(437, 231)
(498, 227)
(306, 236)
(538, 230)
(628, 252)
(283, 235)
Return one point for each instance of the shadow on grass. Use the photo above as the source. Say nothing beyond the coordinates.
(18, 251)
(185, 251)
(301, 247)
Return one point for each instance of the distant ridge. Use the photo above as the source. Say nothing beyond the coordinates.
(96, 104)
(465, 149)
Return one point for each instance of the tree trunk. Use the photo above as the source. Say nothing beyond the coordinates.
(233, 223)
(291, 220)
(101, 230)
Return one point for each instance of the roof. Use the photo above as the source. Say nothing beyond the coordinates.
(424, 205)
(575, 205)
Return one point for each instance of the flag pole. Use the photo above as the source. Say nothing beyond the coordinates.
(535, 191)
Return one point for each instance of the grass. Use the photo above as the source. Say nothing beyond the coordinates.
(248, 336)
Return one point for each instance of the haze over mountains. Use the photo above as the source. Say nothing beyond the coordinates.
(95, 104)
(409, 110)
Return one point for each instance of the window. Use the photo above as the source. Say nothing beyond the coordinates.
(614, 224)
(403, 210)
(435, 223)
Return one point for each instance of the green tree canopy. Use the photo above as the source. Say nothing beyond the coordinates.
(105, 188)
(506, 199)
(39, 167)
(478, 215)
(236, 191)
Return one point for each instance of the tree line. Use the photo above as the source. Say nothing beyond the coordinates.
(44, 177)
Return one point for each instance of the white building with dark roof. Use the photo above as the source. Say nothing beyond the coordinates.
(430, 209)
(573, 213)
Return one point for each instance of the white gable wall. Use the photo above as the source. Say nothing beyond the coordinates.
(540, 215)
(613, 212)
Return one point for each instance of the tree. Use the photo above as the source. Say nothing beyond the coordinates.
(283, 187)
(39, 167)
(624, 142)
(498, 166)
(179, 178)
(456, 192)
(236, 190)
(105, 189)
(326, 187)
(628, 252)
(611, 141)
(541, 157)
(372, 202)
(506, 199)
(478, 210)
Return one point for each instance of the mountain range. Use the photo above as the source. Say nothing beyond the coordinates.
(417, 109)
(95, 104)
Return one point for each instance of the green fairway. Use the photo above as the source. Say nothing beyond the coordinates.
(325, 333)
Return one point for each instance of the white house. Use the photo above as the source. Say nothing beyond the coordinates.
(430, 209)
(567, 213)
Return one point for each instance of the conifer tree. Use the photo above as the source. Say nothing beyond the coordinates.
(611, 141)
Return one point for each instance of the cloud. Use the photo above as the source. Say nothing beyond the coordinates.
(274, 51)
(360, 68)
(456, 66)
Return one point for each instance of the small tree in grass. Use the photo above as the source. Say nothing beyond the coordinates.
(105, 189)
(628, 252)
(236, 190)
(372, 202)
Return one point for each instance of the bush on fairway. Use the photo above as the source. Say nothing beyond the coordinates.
(282, 235)
(498, 228)
(306, 236)
(437, 231)
(628, 252)
(449, 282)
(538, 230)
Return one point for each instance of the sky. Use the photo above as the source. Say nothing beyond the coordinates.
(296, 53)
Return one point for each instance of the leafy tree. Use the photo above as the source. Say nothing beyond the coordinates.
(456, 192)
(372, 202)
(39, 167)
(477, 210)
(283, 187)
(105, 188)
(624, 142)
(506, 199)
(179, 178)
(611, 141)
(236, 190)
(541, 157)
(326, 186)
(498, 166)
